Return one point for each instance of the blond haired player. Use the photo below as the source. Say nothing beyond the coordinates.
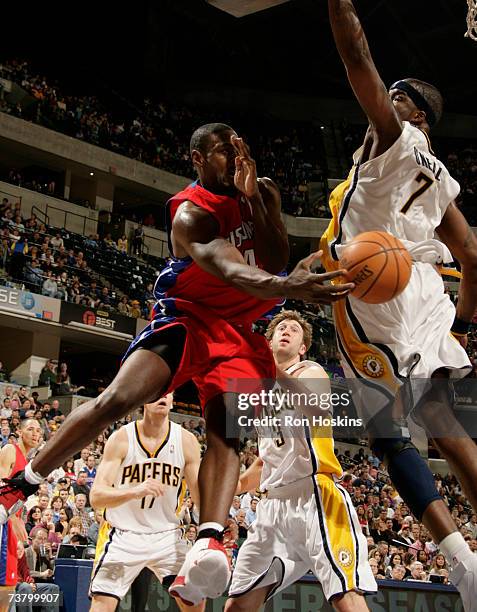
(398, 185)
(140, 482)
(307, 520)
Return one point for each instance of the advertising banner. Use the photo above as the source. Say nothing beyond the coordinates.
(30, 304)
(97, 318)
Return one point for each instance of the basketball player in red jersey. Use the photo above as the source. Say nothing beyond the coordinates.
(228, 244)
(13, 458)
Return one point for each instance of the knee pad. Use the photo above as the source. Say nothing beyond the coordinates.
(408, 471)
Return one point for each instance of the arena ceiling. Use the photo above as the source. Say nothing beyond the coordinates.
(290, 46)
(168, 44)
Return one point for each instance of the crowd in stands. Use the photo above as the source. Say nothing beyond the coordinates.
(400, 547)
(158, 134)
(91, 271)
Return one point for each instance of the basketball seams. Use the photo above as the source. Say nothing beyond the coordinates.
(360, 297)
(393, 276)
(396, 263)
(381, 252)
(398, 274)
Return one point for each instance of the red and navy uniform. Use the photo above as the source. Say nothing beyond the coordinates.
(8, 540)
(220, 345)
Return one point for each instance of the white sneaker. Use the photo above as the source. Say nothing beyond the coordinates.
(204, 574)
(464, 578)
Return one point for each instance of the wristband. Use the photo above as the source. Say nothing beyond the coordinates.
(460, 327)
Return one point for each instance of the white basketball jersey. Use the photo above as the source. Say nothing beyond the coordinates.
(405, 191)
(292, 453)
(166, 464)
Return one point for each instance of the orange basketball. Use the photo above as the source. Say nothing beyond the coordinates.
(378, 264)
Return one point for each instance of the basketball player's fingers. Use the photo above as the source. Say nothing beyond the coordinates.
(242, 146)
(336, 297)
(341, 288)
(248, 161)
(156, 489)
(307, 262)
(237, 144)
(330, 275)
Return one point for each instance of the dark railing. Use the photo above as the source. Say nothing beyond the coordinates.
(67, 213)
(40, 213)
(162, 250)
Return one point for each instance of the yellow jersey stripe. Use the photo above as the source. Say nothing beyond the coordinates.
(105, 536)
(339, 529)
(323, 446)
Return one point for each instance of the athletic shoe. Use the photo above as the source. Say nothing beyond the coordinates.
(464, 578)
(204, 574)
(13, 495)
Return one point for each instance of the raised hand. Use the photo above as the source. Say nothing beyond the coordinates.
(303, 284)
(245, 178)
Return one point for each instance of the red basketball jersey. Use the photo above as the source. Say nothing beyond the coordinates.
(8, 540)
(183, 285)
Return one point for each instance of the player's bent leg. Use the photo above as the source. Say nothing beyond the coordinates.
(249, 602)
(350, 602)
(220, 466)
(103, 603)
(140, 380)
(206, 570)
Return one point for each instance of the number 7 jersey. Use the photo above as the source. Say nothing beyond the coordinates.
(166, 465)
(404, 191)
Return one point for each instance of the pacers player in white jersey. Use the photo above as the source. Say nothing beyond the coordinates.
(306, 521)
(141, 482)
(398, 185)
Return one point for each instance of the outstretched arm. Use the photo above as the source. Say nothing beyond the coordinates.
(362, 73)
(194, 230)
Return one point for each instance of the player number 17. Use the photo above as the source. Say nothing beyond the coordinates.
(427, 182)
(151, 503)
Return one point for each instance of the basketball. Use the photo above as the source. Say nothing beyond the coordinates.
(379, 265)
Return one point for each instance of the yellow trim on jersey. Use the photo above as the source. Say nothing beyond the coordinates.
(153, 454)
(182, 494)
(368, 360)
(103, 538)
(321, 439)
(332, 231)
(443, 271)
(339, 529)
